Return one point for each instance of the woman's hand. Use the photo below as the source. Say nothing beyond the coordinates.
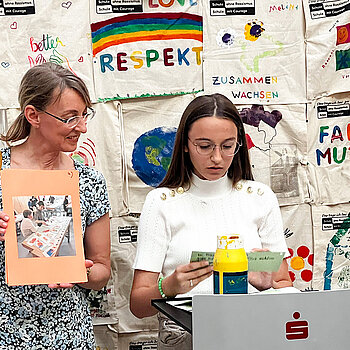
(186, 277)
(88, 265)
(4, 218)
(260, 280)
(266, 280)
(182, 280)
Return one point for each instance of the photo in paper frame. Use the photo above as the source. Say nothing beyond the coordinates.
(44, 229)
(18, 183)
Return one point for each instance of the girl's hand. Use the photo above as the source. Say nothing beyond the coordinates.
(4, 218)
(186, 277)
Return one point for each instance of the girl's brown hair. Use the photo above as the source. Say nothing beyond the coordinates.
(181, 167)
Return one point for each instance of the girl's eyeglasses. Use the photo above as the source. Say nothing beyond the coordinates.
(205, 148)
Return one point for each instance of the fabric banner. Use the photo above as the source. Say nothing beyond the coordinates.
(276, 137)
(298, 233)
(332, 251)
(328, 135)
(149, 130)
(138, 341)
(327, 47)
(146, 48)
(41, 31)
(102, 305)
(106, 337)
(100, 148)
(254, 51)
(124, 240)
(4, 123)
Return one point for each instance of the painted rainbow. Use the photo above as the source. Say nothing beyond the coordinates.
(145, 27)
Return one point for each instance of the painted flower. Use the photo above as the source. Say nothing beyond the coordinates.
(303, 262)
(226, 37)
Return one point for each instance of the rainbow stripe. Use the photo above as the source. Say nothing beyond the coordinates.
(145, 27)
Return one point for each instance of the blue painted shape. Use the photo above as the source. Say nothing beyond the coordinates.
(152, 154)
(329, 264)
(345, 226)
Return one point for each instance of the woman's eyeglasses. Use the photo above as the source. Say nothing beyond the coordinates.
(75, 120)
(205, 148)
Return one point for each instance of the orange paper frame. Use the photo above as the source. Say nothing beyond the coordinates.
(60, 269)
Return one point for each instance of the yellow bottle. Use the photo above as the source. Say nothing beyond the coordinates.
(230, 266)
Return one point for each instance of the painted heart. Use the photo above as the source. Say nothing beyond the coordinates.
(13, 25)
(5, 64)
(81, 59)
(67, 4)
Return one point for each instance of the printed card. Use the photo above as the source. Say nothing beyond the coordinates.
(264, 261)
(199, 256)
(44, 241)
(257, 261)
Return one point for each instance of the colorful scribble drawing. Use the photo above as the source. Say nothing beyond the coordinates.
(334, 249)
(264, 121)
(85, 153)
(254, 66)
(342, 59)
(38, 60)
(58, 58)
(302, 263)
(253, 30)
(226, 37)
(152, 153)
(145, 27)
(283, 158)
(343, 34)
(46, 50)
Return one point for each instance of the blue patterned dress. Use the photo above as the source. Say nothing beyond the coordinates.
(37, 317)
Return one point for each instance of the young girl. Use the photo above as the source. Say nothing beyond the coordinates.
(208, 191)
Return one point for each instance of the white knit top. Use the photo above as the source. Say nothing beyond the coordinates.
(174, 223)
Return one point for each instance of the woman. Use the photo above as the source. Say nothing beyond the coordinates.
(55, 107)
(208, 191)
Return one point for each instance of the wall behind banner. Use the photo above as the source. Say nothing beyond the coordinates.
(286, 65)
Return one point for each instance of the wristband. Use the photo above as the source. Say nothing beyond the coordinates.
(160, 287)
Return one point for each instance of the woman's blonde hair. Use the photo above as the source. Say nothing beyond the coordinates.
(38, 88)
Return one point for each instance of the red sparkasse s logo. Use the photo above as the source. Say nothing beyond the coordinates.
(297, 329)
